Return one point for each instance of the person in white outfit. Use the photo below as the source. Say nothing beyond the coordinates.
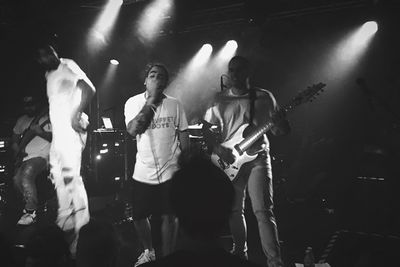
(69, 91)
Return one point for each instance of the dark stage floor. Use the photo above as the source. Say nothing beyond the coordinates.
(354, 241)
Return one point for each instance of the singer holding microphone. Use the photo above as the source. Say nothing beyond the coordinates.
(160, 126)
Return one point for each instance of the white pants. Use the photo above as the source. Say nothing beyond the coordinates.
(65, 161)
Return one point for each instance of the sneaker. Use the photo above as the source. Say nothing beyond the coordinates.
(27, 218)
(146, 256)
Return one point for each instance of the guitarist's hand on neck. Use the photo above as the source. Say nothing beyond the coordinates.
(281, 124)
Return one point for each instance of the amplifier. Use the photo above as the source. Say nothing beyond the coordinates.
(109, 162)
(6, 162)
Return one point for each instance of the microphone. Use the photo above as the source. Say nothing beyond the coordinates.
(222, 84)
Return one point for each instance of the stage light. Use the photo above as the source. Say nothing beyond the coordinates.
(220, 61)
(202, 56)
(206, 49)
(353, 45)
(348, 52)
(114, 62)
(107, 18)
(103, 24)
(228, 50)
(367, 30)
(152, 19)
(231, 45)
(98, 157)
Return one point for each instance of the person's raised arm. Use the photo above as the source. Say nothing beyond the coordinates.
(141, 121)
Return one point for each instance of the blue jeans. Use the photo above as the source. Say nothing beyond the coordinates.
(25, 178)
(256, 176)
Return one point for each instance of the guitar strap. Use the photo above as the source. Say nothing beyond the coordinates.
(252, 99)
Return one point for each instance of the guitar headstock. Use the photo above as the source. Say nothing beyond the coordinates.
(309, 94)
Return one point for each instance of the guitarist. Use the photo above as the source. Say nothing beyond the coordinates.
(30, 144)
(237, 105)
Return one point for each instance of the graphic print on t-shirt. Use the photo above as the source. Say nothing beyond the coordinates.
(162, 122)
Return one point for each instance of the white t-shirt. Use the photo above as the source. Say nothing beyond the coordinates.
(37, 147)
(158, 147)
(231, 111)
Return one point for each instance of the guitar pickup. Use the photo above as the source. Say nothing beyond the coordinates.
(222, 164)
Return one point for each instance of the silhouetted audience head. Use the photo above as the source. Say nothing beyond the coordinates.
(201, 195)
(47, 247)
(98, 245)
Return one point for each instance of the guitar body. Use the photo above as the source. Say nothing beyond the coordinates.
(247, 142)
(232, 169)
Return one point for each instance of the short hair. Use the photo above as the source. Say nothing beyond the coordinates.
(201, 196)
(156, 64)
(241, 60)
(46, 48)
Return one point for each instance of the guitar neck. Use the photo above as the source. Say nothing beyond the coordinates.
(252, 138)
(302, 97)
(257, 133)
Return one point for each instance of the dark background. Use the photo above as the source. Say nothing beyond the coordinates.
(345, 134)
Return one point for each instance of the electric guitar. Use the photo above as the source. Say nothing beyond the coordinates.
(27, 136)
(243, 139)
